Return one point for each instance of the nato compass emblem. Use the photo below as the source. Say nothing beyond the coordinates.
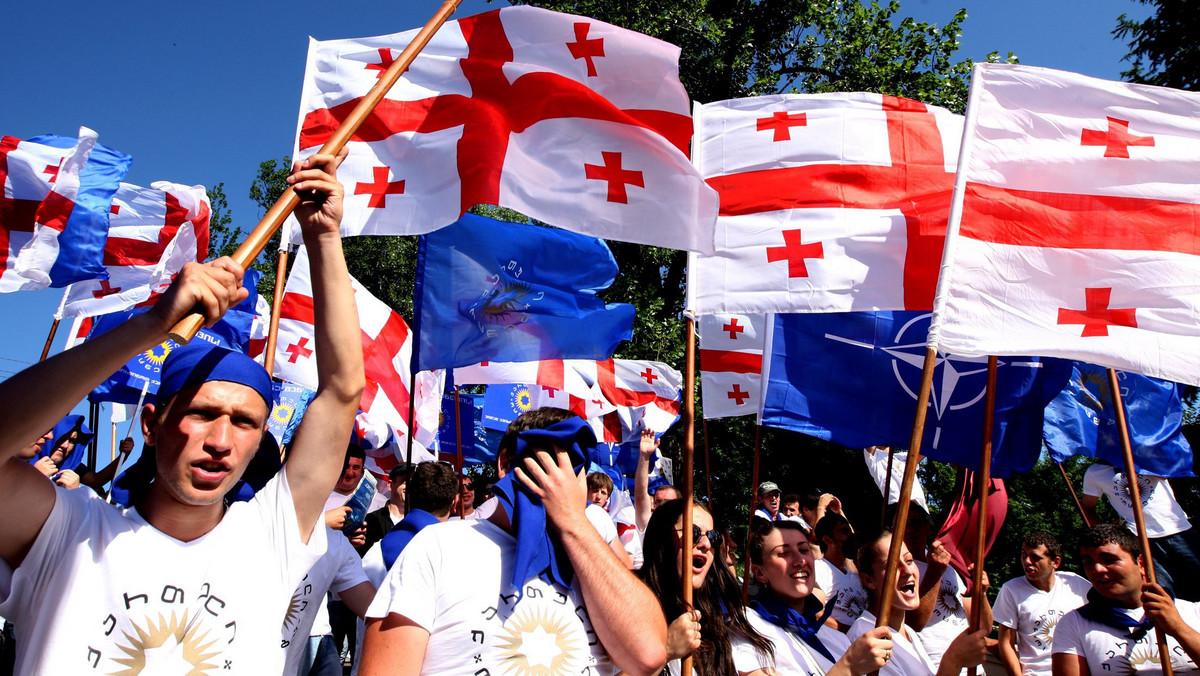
(503, 305)
(958, 382)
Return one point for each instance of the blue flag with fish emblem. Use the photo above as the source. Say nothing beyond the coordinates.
(488, 290)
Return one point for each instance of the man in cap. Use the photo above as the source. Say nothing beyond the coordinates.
(768, 502)
(180, 583)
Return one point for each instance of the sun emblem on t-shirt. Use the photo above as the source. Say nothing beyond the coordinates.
(167, 646)
(1143, 654)
(1043, 636)
(293, 610)
(533, 643)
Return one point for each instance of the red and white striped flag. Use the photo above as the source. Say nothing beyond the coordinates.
(829, 203)
(387, 349)
(152, 232)
(564, 118)
(1078, 233)
(731, 357)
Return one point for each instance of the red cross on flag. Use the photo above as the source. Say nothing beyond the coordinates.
(829, 203)
(1078, 233)
(387, 350)
(731, 356)
(152, 232)
(564, 118)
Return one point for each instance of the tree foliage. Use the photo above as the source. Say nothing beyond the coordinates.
(1162, 47)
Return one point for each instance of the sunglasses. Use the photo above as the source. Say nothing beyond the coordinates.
(714, 536)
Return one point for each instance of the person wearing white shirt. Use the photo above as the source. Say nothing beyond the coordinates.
(835, 572)
(1029, 607)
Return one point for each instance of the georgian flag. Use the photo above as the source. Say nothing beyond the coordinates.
(54, 208)
(731, 358)
(1078, 235)
(387, 350)
(829, 203)
(152, 232)
(564, 118)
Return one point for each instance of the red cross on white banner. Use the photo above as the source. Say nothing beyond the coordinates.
(781, 123)
(616, 176)
(1117, 140)
(52, 170)
(380, 188)
(738, 395)
(106, 289)
(649, 376)
(586, 49)
(385, 61)
(298, 350)
(795, 253)
(1096, 316)
(733, 328)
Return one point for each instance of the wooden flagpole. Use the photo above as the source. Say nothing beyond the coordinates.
(753, 506)
(458, 456)
(883, 609)
(983, 480)
(254, 243)
(276, 304)
(1164, 655)
(49, 340)
(689, 452)
(887, 487)
(1074, 495)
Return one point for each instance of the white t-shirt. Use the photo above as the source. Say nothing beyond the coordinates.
(102, 591)
(338, 570)
(852, 598)
(909, 654)
(1162, 512)
(1108, 650)
(630, 536)
(949, 617)
(602, 521)
(455, 581)
(1033, 614)
(792, 654)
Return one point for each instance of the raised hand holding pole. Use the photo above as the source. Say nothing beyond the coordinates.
(254, 243)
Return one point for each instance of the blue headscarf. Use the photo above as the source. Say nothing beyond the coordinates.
(803, 624)
(402, 533)
(539, 554)
(200, 362)
(64, 427)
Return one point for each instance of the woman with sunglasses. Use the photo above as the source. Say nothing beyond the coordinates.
(716, 619)
(787, 612)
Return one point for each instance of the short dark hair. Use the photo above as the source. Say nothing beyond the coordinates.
(598, 480)
(761, 529)
(432, 487)
(825, 527)
(867, 557)
(1098, 536)
(810, 498)
(353, 451)
(540, 418)
(1043, 539)
(790, 498)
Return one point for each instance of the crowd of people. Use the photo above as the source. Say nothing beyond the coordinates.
(213, 567)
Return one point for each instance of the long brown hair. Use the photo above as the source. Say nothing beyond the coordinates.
(719, 598)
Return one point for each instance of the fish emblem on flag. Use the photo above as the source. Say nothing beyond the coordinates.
(503, 305)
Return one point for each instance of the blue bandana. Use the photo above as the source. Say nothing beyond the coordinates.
(402, 533)
(200, 362)
(64, 427)
(805, 625)
(1101, 610)
(539, 554)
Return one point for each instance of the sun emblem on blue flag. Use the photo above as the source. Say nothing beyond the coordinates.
(157, 354)
(522, 399)
(283, 413)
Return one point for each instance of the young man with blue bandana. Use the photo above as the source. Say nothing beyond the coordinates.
(179, 583)
(531, 589)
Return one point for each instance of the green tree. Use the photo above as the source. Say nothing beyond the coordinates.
(1162, 47)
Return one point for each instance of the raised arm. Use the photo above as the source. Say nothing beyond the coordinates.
(320, 441)
(34, 399)
(623, 611)
(641, 480)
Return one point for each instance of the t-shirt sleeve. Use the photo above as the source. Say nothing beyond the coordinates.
(350, 568)
(602, 522)
(1005, 610)
(1093, 483)
(824, 573)
(748, 658)
(410, 588)
(277, 513)
(20, 588)
(1068, 635)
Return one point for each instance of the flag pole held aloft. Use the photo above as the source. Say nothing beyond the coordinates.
(257, 240)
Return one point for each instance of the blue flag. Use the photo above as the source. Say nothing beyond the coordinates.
(447, 435)
(852, 378)
(291, 400)
(125, 386)
(494, 291)
(1081, 421)
(503, 403)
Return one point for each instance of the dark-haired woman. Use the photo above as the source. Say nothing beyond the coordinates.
(787, 612)
(717, 617)
(910, 657)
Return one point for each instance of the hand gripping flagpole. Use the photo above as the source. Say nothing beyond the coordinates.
(1139, 519)
(257, 240)
(689, 450)
(983, 481)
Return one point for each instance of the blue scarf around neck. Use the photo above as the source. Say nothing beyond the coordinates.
(1102, 610)
(803, 624)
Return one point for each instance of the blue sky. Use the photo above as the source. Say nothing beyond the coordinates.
(203, 93)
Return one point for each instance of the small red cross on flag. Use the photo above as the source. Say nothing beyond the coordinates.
(52, 170)
(586, 49)
(1116, 140)
(795, 253)
(733, 328)
(738, 395)
(649, 376)
(380, 188)
(1096, 316)
(106, 289)
(616, 176)
(298, 350)
(385, 61)
(781, 124)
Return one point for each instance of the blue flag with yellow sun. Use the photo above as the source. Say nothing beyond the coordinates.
(488, 290)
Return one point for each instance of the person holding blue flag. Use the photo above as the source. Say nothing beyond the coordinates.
(180, 582)
(467, 596)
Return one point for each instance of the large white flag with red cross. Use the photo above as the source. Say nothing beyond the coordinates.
(1078, 234)
(152, 232)
(387, 350)
(567, 119)
(829, 203)
(731, 357)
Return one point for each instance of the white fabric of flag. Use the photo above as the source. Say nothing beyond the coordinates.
(1077, 233)
(731, 359)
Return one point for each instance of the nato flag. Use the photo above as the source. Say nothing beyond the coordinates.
(494, 291)
(852, 378)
